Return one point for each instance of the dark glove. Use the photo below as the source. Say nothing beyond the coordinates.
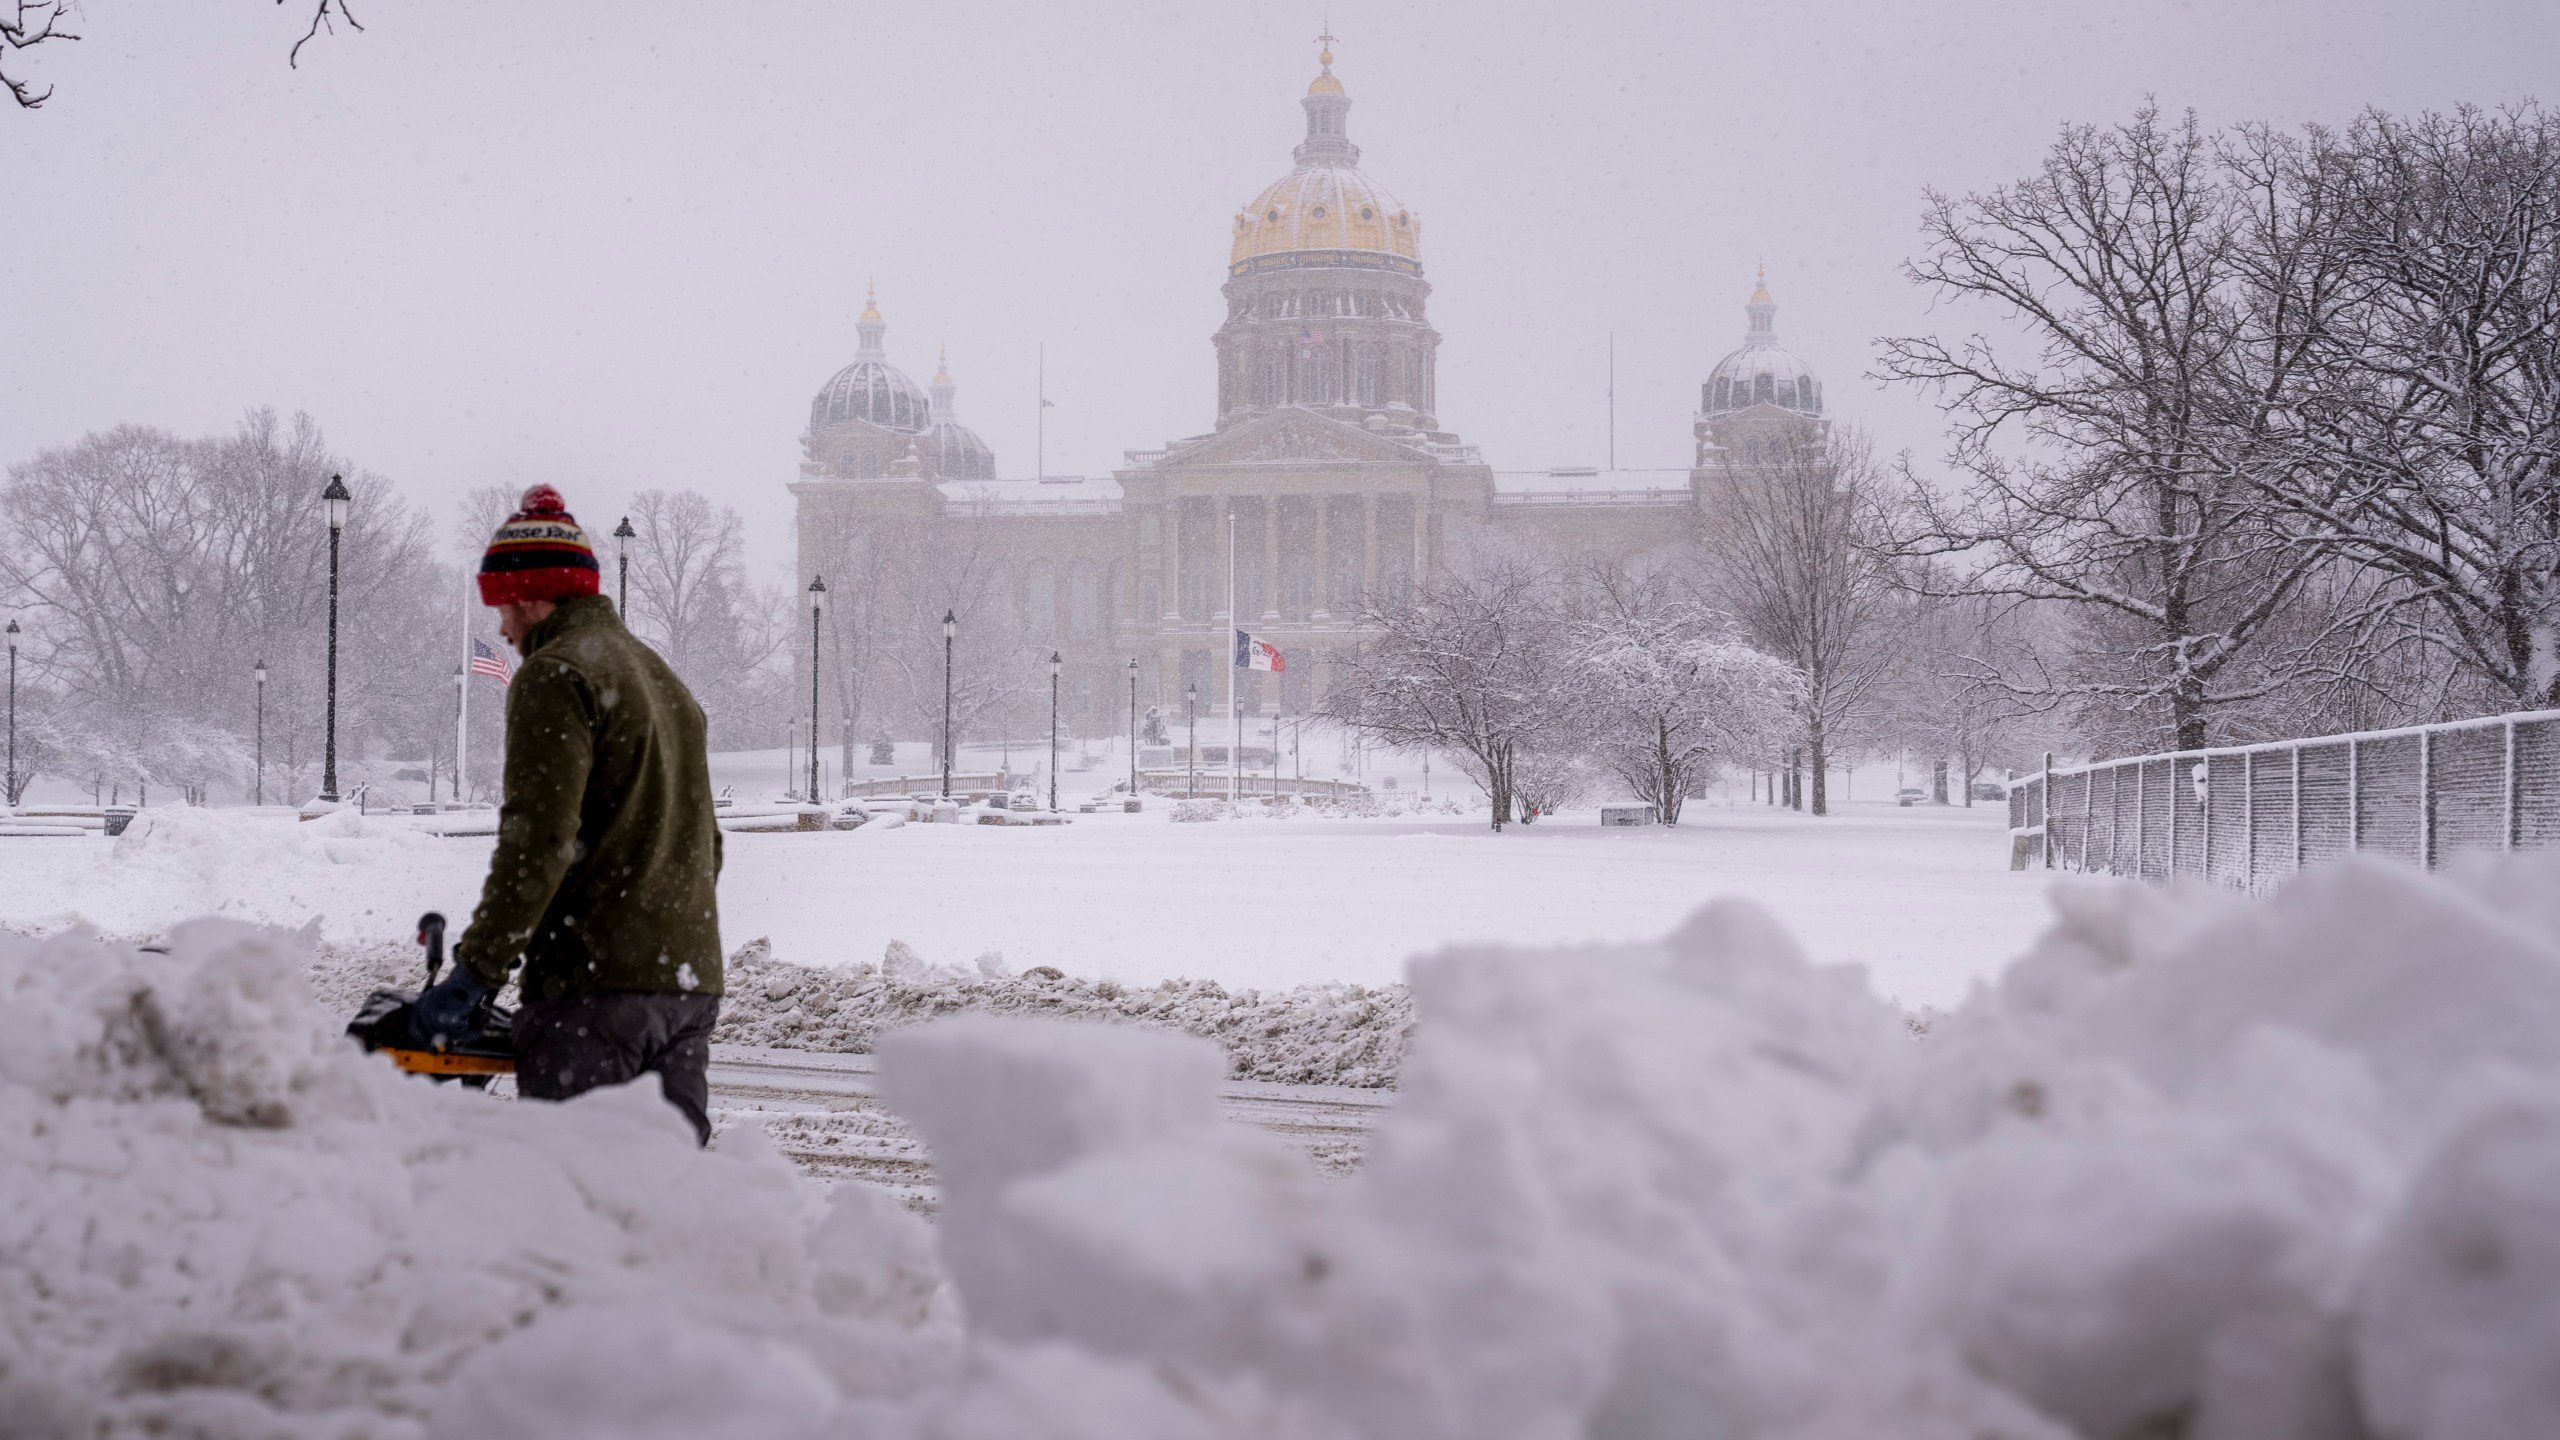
(443, 1012)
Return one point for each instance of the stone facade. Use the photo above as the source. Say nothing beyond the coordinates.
(1327, 460)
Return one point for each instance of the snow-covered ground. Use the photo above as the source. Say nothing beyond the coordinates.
(2196, 1166)
(1921, 897)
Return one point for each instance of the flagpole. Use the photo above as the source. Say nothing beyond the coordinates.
(1235, 748)
(462, 713)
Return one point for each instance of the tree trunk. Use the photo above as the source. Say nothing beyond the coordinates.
(1820, 758)
(1669, 782)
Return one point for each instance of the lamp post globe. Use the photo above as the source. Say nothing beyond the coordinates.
(334, 502)
(622, 537)
(258, 672)
(817, 599)
(950, 632)
(1054, 664)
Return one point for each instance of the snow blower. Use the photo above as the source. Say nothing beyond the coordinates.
(384, 1024)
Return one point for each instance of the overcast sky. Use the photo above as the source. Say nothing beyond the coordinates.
(618, 246)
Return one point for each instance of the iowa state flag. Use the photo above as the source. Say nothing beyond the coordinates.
(1252, 654)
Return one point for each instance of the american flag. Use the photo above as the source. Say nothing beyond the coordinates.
(485, 661)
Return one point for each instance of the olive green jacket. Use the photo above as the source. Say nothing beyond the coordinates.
(608, 860)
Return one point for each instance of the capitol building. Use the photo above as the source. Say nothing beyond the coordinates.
(1329, 456)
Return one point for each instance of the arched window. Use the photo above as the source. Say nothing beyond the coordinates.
(870, 464)
(1275, 372)
(1787, 391)
(1764, 388)
(1751, 451)
(1368, 394)
(1320, 378)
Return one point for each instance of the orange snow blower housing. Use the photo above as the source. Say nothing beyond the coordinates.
(384, 1023)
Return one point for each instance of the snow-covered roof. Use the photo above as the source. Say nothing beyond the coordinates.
(1593, 486)
(1048, 495)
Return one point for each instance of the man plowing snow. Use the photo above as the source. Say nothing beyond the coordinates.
(603, 881)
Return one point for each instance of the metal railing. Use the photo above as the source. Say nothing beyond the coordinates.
(2247, 816)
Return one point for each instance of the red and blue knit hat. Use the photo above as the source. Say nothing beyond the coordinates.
(539, 554)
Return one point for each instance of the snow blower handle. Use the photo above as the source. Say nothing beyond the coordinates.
(431, 935)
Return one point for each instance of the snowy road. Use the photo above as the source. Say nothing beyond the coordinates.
(824, 1111)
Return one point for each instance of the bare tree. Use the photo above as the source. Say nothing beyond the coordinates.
(690, 598)
(1671, 690)
(159, 570)
(1789, 553)
(1473, 664)
(2423, 442)
(2102, 460)
(1949, 701)
(30, 23)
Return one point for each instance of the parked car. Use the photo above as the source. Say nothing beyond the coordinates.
(1990, 790)
(1910, 795)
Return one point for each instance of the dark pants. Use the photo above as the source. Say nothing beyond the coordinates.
(567, 1047)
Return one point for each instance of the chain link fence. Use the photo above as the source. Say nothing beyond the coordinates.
(2248, 816)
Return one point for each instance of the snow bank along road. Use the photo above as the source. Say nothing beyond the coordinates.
(824, 1112)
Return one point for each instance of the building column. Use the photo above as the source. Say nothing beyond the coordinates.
(1368, 546)
(1172, 537)
(1225, 568)
(1323, 611)
(1270, 558)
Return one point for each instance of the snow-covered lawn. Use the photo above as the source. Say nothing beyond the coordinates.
(1921, 896)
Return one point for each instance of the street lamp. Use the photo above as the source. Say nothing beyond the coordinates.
(1191, 702)
(1133, 727)
(334, 500)
(9, 781)
(817, 598)
(950, 630)
(258, 672)
(622, 534)
(1053, 729)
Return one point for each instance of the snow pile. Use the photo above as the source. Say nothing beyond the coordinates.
(218, 1218)
(2198, 1167)
(364, 877)
(1310, 1035)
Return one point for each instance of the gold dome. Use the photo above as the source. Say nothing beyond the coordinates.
(1325, 207)
(871, 301)
(1326, 203)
